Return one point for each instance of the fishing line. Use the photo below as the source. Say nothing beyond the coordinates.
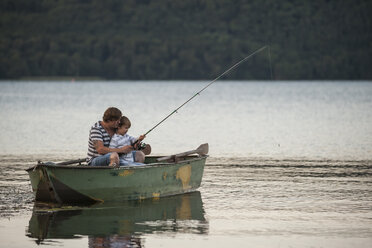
(213, 81)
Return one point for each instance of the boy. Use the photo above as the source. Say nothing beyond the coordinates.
(99, 153)
(121, 138)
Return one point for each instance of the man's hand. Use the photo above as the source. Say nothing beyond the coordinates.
(126, 149)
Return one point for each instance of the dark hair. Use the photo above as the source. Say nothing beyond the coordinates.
(124, 121)
(111, 114)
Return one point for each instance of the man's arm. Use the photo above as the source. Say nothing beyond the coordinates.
(101, 149)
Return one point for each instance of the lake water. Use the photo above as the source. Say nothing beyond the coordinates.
(290, 163)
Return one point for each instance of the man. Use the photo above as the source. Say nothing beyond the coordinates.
(99, 153)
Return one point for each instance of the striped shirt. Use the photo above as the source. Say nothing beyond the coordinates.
(97, 132)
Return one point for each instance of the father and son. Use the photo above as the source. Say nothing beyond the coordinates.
(110, 145)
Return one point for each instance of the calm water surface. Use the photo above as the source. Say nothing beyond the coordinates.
(290, 163)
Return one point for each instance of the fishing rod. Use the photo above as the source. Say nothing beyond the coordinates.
(213, 81)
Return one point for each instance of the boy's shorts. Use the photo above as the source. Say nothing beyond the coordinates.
(132, 162)
(104, 160)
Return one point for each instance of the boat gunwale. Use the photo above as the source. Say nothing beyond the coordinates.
(145, 166)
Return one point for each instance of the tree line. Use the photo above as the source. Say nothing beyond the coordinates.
(178, 39)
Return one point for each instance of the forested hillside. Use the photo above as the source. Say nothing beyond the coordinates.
(185, 39)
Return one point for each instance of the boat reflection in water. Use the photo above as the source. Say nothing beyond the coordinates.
(111, 225)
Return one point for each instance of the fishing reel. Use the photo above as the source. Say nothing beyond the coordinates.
(139, 145)
(143, 147)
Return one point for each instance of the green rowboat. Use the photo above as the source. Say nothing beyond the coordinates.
(75, 183)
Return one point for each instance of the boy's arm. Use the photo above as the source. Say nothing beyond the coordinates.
(136, 141)
(101, 149)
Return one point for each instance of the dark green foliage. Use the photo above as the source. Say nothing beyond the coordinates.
(185, 39)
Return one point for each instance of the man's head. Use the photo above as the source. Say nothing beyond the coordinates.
(112, 115)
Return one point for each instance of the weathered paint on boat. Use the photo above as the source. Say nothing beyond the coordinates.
(41, 186)
(87, 184)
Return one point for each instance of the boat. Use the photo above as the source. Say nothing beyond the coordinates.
(74, 182)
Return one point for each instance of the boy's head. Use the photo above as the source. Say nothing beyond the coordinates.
(124, 125)
(124, 121)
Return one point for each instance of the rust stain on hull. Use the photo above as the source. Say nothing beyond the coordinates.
(126, 173)
(165, 174)
(155, 195)
(184, 174)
